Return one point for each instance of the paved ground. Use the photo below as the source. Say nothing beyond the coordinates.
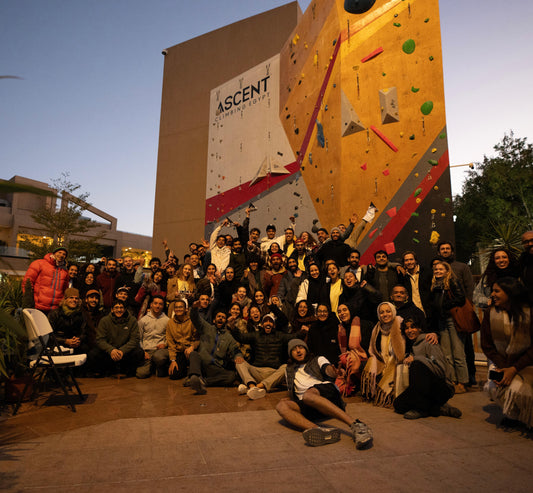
(154, 435)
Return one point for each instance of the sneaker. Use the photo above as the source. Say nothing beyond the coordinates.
(370, 213)
(415, 414)
(453, 412)
(459, 388)
(187, 382)
(242, 389)
(198, 385)
(362, 434)
(321, 436)
(256, 393)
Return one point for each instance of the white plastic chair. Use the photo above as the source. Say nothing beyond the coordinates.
(50, 356)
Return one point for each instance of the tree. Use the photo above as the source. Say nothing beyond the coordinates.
(65, 226)
(497, 199)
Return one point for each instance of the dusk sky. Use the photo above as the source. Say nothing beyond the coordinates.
(90, 96)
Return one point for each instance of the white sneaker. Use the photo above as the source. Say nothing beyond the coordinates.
(242, 389)
(370, 213)
(256, 393)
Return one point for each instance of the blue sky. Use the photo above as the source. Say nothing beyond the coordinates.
(90, 99)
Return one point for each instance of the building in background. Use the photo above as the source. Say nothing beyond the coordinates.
(312, 115)
(16, 221)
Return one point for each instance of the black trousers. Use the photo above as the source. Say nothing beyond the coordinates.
(426, 392)
(100, 361)
(182, 363)
(214, 375)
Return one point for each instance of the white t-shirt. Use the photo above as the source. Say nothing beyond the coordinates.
(303, 381)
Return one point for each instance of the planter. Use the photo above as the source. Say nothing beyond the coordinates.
(15, 387)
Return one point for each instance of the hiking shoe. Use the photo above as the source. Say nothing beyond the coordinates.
(321, 436)
(415, 414)
(362, 434)
(256, 393)
(447, 410)
(198, 385)
(242, 389)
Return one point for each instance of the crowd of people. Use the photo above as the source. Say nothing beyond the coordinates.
(299, 310)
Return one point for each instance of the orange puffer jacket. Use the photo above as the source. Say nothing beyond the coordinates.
(48, 281)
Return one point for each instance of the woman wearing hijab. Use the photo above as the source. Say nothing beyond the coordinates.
(322, 338)
(353, 356)
(387, 350)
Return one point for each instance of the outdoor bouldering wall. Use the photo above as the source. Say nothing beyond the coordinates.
(349, 112)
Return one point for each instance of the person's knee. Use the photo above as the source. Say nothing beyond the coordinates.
(282, 406)
(310, 396)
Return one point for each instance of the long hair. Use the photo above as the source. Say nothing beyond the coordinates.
(190, 281)
(517, 295)
(447, 277)
(490, 276)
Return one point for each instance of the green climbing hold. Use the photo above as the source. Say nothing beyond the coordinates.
(447, 200)
(409, 46)
(412, 137)
(414, 214)
(416, 240)
(383, 74)
(396, 24)
(442, 136)
(427, 108)
(418, 191)
(415, 89)
(433, 162)
(431, 58)
(426, 20)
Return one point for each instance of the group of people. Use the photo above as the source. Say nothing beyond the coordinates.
(236, 307)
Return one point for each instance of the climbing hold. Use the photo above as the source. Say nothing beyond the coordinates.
(409, 46)
(386, 172)
(310, 158)
(295, 39)
(435, 188)
(372, 233)
(358, 6)
(442, 136)
(317, 199)
(415, 89)
(433, 162)
(363, 167)
(447, 200)
(305, 46)
(396, 24)
(401, 134)
(374, 54)
(433, 211)
(431, 58)
(302, 75)
(416, 240)
(391, 212)
(320, 134)
(434, 238)
(416, 231)
(434, 149)
(414, 214)
(296, 131)
(418, 191)
(418, 200)
(416, 174)
(412, 137)
(427, 108)
(388, 99)
(326, 108)
(443, 214)
(383, 138)
(383, 74)
(426, 20)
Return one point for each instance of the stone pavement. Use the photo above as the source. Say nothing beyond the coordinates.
(154, 435)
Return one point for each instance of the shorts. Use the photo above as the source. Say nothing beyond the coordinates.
(330, 392)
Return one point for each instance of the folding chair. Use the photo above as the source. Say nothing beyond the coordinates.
(50, 356)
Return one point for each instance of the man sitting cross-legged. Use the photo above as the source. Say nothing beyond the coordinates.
(267, 346)
(310, 381)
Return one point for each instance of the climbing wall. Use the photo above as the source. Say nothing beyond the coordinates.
(361, 118)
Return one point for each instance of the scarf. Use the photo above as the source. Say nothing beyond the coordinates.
(379, 374)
